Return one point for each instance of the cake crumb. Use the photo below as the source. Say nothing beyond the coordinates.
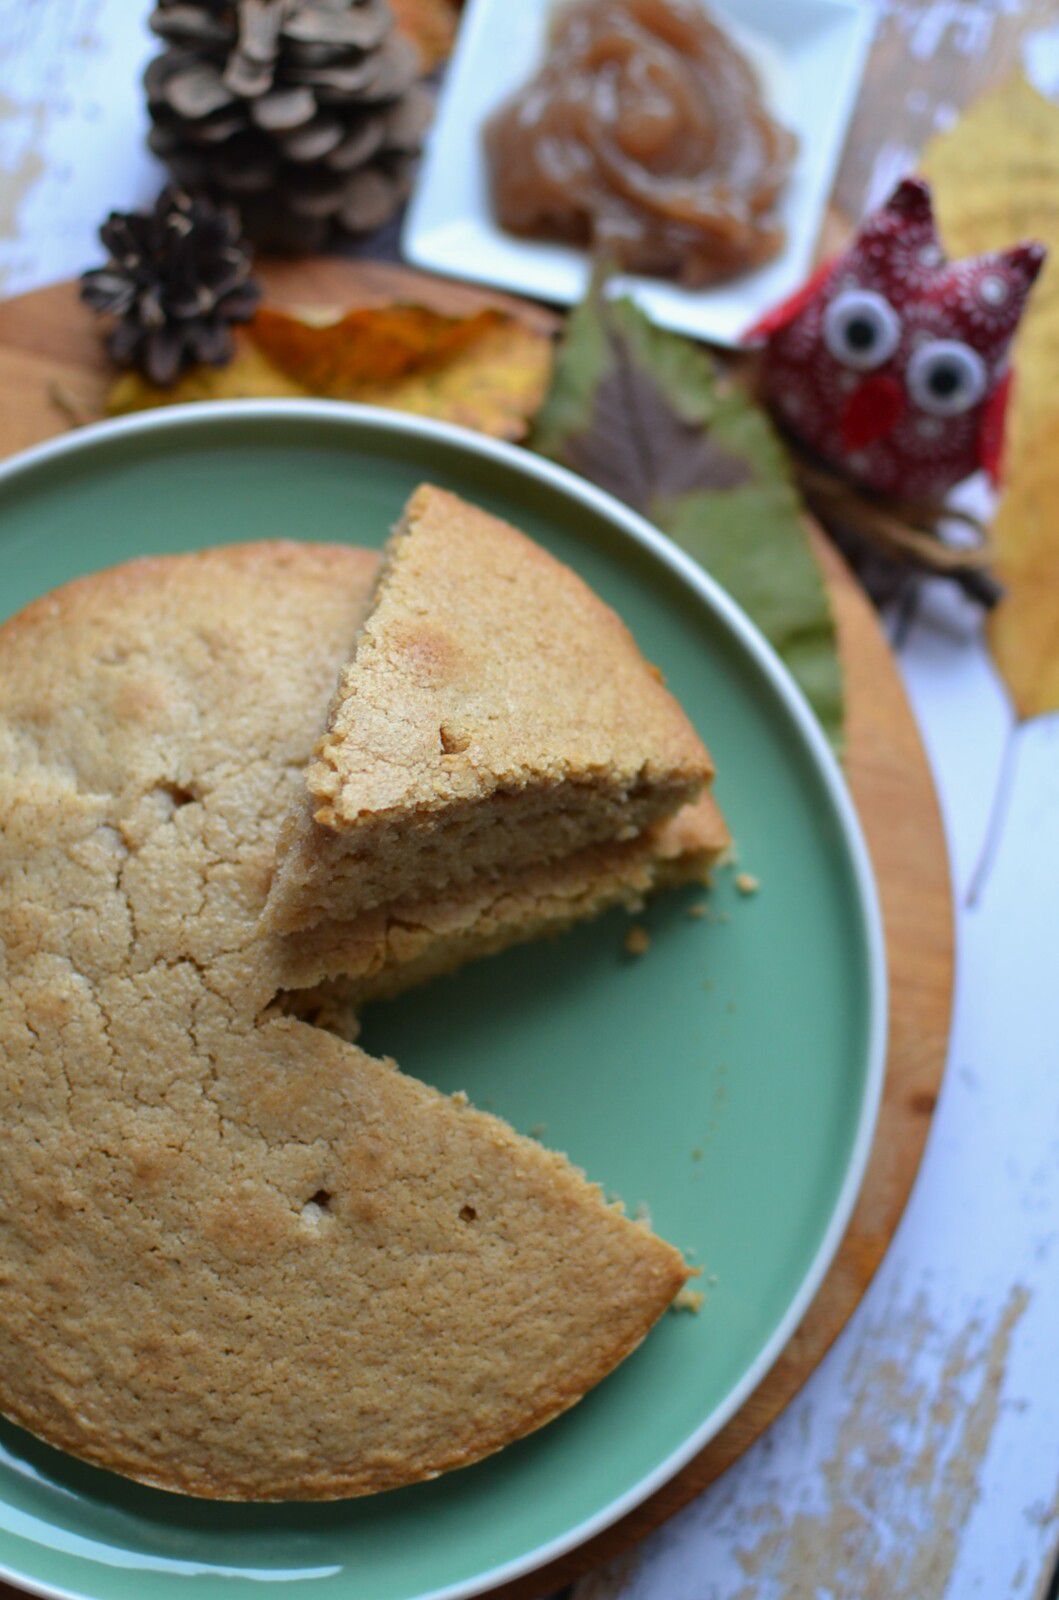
(460, 1098)
(637, 941)
(746, 883)
(688, 1300)
(698, 909)
(642, 1214)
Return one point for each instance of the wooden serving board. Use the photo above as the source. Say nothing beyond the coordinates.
(52, 369)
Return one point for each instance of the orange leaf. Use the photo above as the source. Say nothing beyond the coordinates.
(380, 345)
(431, 26)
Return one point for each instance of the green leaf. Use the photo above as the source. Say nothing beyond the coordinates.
(645, 414)
(751, 542)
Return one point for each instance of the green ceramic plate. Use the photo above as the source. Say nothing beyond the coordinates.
(728, 1079)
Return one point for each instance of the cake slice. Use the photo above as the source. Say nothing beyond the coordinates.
(392, 948)
(496, 714)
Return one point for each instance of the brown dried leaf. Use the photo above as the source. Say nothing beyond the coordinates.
(996, 179)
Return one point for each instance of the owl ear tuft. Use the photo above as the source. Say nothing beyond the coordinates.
(911, 200)
(1024, 261)
(902, 226)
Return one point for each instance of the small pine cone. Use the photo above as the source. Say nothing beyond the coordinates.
(176, 279)
(303, 113)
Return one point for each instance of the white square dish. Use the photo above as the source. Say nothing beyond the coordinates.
(809, 54)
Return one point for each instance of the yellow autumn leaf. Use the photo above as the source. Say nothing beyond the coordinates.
(487, 371)
(248, 376)
(1024, 629)
(995, 175)
(495, 387)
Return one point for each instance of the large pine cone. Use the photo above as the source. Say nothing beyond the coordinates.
(304, 113)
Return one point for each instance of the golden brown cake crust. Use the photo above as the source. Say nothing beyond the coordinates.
(238, 1257)
(495, 713)
(483, 642)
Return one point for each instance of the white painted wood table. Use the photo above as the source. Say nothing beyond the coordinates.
(921, 1461)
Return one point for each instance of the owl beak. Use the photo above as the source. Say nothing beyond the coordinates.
(871, 412)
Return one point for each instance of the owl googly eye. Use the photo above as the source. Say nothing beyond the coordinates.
(946, 377)
(861, 329)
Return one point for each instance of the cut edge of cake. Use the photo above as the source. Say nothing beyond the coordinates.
(496, 714)
(337, 966)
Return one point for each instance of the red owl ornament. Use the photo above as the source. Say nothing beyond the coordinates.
(890, 365)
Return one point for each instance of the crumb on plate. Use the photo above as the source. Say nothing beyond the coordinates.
(688, 1300)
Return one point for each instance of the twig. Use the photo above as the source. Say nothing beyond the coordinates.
(907, 532)
(907, 610)
(997, 816)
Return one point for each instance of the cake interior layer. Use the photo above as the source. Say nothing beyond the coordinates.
(395, 947)
(328, 875)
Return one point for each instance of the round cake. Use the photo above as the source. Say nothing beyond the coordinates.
(238, 1256)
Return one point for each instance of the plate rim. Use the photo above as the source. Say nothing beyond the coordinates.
(860, 19)
(631, 525)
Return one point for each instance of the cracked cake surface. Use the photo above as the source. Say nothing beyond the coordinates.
(495, 713)
(238, 1256)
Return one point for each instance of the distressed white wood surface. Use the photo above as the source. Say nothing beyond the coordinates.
(921, 1459)
(921, 1462)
